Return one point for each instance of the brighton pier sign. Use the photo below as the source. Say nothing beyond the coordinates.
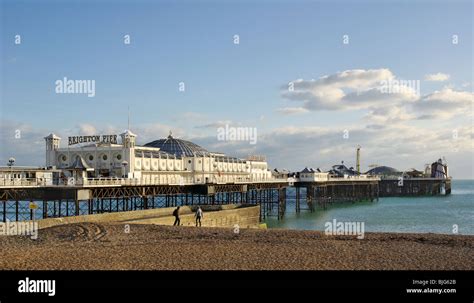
(93, 139)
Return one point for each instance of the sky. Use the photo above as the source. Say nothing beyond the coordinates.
(310, 76)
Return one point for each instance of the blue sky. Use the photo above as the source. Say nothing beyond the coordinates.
(192, 41)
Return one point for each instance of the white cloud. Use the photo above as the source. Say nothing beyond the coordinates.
(154, 131)
(444, 104)
(386, 98)
(292, 110)
(398, 145)
(216, 124)
(388, 114)
(23, 142)
(350, 78)
(351, 89)
(378, 97)
(438, 77)
(189, 116)
(87, 129)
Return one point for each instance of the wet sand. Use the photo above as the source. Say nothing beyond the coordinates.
(107, 246)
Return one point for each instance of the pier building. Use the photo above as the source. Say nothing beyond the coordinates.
(163, 161)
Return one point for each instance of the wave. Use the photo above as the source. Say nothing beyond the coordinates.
(462, 191)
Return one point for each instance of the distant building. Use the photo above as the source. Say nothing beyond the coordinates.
(281, 173)
(311, 175)
(27, 175)
(413, 173)
(384, 172)
(439, 169)
(341, 171)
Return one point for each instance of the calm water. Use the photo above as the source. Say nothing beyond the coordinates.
(420, 214)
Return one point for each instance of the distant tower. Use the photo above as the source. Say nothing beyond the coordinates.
(52, 144)
(358, 159)
(128, 142)
(128, 139)
(428, 170)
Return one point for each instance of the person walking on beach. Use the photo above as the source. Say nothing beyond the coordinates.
(198, 216)
(177, 221)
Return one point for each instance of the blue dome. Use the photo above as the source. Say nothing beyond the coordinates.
(178, 147)
(383, 170)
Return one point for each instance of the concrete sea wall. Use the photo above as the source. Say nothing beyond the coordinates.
(245, 216)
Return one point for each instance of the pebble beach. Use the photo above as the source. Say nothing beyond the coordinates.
(91, 246)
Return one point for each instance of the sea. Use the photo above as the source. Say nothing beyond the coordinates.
(447, 214)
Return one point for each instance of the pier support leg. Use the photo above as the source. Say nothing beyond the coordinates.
(281, 203)
(76, 204)
(31, 212)
(310, 197)
(4, 211)
(297, 200)
(4, 206)
(213, 199)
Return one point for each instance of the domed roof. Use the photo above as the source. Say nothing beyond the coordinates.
(383, 170)
(341, 170)
(178, 147)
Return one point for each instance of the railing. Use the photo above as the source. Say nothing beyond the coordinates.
(126, 181)
(24, 182)
(354, 178)
(136, 181)
(171, 181)
(256, 158)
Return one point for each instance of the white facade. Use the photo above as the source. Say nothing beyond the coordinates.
(26, 176)
(151, 165)
(313, 176)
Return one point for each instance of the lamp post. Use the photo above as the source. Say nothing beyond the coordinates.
(124, 164)
(11, 161)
